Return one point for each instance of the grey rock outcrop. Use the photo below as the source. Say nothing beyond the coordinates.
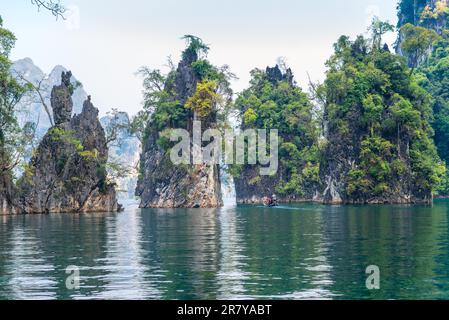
(8, 199)
(68, 170)
(30, 109)
(170, 186)
(61, 100)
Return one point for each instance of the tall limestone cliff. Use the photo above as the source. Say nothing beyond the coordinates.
(274, 101)
(379, 141)
(125, 150)
(161, 183)
(67, 172)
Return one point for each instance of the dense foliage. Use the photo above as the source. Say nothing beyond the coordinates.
(422, 12)
(433, 75)
(374, 106)
(279, 104)
(10, 94)
(166, 107)
(416, 43)
(424, 40)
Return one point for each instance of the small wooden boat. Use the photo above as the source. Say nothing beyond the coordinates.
(271, 205)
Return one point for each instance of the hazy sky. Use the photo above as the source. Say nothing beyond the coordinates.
(104, 42)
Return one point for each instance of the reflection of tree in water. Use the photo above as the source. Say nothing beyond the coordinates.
(59, 241)
(301, 251)
(286, 253)
(404, 242)
(28, 274)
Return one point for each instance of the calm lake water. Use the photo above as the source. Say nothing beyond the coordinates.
(293, 252)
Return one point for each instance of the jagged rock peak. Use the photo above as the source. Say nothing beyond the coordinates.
(61, 100)
(89, 110)
(65, 78)
(186, 79)
(67, 172)
(275, 75)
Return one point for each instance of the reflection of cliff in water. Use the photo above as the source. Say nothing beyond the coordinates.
(41, 247)
(292, 252)
(31, 276)
(403, 241)
(187, 250)
(286, 257)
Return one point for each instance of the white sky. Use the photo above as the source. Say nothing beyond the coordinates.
(104, 42)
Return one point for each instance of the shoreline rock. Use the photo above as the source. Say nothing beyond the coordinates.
(68, 170)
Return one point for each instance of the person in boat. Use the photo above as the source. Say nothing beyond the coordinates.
(270, 202)
(266, 201)
(274, 200)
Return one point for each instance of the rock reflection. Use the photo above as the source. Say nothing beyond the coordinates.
(292, 252)
(188, 251)
(29, 270)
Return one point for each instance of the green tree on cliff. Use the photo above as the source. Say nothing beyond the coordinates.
(417, 43)
(433, 75)
(163, 107)
(10, 94)
(274, 101)
(380, 116)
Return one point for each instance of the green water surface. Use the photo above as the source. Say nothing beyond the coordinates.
(302, 251)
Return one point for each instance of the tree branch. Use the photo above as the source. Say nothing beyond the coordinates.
(55, 7)
(37, 89)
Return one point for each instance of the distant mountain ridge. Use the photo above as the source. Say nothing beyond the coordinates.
(31, 109)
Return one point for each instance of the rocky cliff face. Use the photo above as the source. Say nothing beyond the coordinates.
(168, 186)
(8, 198)
(161, 183)
(251, 188)
(335, 173)
(67, 172)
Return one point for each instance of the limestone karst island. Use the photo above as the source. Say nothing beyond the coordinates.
(259, 150)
